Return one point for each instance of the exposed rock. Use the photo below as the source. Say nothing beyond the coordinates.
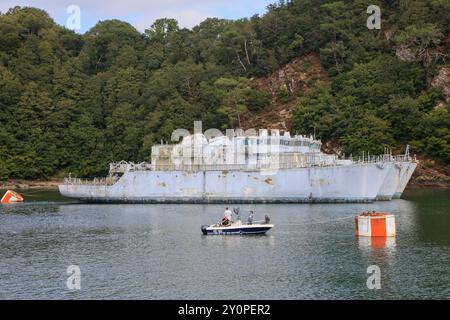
(404, 53)
(30, 184)
(442, 80)
(296, 76)
(388, 34)
(428, 173)
(333, 147)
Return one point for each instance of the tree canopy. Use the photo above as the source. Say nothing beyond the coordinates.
(74, 103)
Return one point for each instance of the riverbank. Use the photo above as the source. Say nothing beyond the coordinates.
(428, 174)
(422, 178)
(30, 184)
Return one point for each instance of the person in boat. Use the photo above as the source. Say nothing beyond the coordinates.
(226, 220)
(250, 218)
(266, 219)
(236, 212)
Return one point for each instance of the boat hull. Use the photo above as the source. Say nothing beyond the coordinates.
(405, 175)
(237, 230)
(347, 183)
(391, 181)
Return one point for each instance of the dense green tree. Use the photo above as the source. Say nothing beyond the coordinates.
(74, 102)
(423, 42)
(109, 43)
(237, 97)
(317, 113)
(162, 29)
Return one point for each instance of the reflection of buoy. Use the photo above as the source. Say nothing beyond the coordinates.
(11, 196)
(376, 242)
(375, 225)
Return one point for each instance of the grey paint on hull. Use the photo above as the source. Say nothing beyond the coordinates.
(349, 183)
(225, 201)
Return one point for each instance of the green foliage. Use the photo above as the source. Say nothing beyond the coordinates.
(73, 103)
(377, 100)
(432, 134)
(237, 97)
(423, 44)
(373, 82)
(162, 29)
(365, 132)
(316, 112)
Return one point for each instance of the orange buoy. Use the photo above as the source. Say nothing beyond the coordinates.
(11, 196)
(375, 225)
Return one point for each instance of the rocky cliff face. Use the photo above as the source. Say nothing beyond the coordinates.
(428, 173)
(284, 86)
(404, 53)
(442, 80)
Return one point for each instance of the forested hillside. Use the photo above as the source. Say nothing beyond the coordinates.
(74, 103)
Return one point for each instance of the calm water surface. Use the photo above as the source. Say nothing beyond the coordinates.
(158, 252)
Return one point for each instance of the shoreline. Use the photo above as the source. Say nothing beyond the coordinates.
(436, 185)
(53, 184)
(30, 184)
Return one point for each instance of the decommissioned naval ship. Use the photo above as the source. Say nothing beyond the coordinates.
(244, 167)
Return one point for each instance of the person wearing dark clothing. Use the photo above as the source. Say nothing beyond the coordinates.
(250, 218)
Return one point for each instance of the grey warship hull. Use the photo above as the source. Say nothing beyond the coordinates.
(338, 184)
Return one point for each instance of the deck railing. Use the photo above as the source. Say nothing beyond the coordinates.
(384, 158)
(107, 181)
(302, 162)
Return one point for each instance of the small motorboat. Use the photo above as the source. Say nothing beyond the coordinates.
(228, 226)
(237, 227)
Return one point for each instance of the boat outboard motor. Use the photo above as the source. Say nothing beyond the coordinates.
(204, 229)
